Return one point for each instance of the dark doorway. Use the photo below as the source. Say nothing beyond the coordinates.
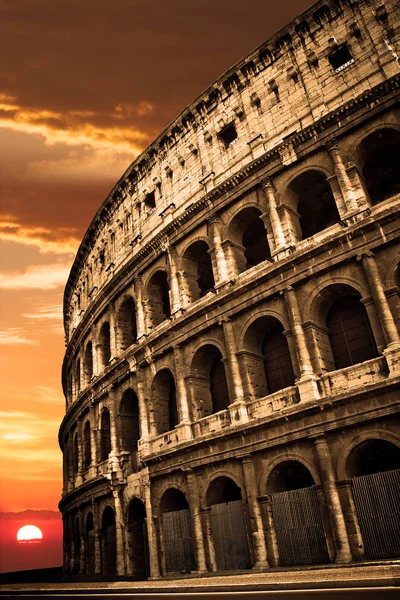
(375, 469)
(138, 542)
(228, 523)
(177, 533)
(297, 519)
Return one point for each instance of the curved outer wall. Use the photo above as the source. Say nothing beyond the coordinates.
(232, 318)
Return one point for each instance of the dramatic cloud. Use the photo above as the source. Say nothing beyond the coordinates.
(52, 313)
(15, 335)
(42, 277)
(59, 241)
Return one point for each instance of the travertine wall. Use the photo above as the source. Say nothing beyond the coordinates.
(209, 305)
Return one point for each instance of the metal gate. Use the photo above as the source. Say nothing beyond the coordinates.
(299, 529)
(229, 536)
(111, 550)
(178, 544)
(90, 552)
(377, 501)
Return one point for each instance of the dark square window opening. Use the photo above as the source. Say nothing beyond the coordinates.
(228, 135)
(341, 58)
(150, 201)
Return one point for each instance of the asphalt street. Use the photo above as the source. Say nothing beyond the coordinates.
(376, 593)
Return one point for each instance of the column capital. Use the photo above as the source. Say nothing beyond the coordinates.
(214, 218)
(247, 458)
(331, 143)
(268, 183)
(223, 321)
(366, 254)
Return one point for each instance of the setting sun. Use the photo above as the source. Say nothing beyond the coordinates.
(29, 534)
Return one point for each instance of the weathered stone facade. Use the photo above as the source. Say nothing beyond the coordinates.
(232, 318)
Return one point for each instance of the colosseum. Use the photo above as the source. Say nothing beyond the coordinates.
(232, 321)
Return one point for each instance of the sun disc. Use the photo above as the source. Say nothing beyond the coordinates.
(29, 533)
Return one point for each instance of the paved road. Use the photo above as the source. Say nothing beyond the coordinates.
(377, 593)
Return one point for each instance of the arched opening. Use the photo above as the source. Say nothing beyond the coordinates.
(127, 331)
(228, 523)
(350, 334)
(87, 446)
(90, 566)
(374, 466)
(88, 363)
(249, 239)
(69, 386)
(288, 476)
(70, 533)
(105, 434)
(177, 532)
(75, 454)
(138, 550)
(77, 546)
(164, 412)
(78, 376)
(108, 543)
(129, 427)
(105, 344)
(373, 456)
(159, 307)
(67, 461)
(297, 518)
(267, 358)
(209, 384)
(315, 203)
(379, 156)
(198, 271)
(129, 421)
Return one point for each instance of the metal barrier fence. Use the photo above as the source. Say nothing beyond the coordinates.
(377, 501)
(299, 529)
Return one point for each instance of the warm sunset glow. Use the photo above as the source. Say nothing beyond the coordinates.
(29, 534)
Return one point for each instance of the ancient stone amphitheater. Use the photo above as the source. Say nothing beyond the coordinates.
(232, 369)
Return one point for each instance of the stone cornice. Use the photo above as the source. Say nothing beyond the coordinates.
(252, 169)
(238, 77)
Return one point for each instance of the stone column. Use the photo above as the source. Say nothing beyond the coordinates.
(143, 417)
(151, 534)
(119, 526)
(279, 237)
(113, 459)
(349, 510)
(307, 382)
(93, 446)
(183, 402)
(270, 533)
(140, 311)
(194, 504)
(186, 296)
(113, 332)
(239, 410)
(342, 177)
(378, 294)
(257, 529)
(222, 274)
(79, 478)
(173, 280)
(96, 540)
(343, 552)
(206, 514)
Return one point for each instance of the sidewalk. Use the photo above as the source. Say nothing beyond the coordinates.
(385, 573)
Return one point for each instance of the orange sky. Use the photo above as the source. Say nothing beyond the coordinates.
(84, 87)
